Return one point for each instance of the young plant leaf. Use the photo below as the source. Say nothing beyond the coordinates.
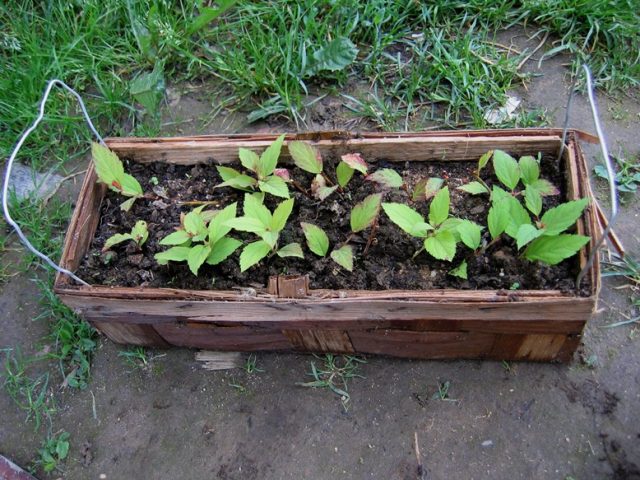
(319, 187)
(140, 232)
(441, 246)
(253, 253)
(460, 271)
(218, 227)
(116, 239)
(545, 187)
(407, 219)
(130, 186)
(484, 159)
(249, 159)
(356, 162)
(533, 200)
(386, 177)
(127, 204)
(335, 55)
(246, 224)
(470, 233)
(232, 178)
(552, 250)
(283, 173)
(223, 247)
(506, 169)
(517, 215)
(474, 188)
(197, 255)
(529, 169)
(281, 215)
(439, 208)
(558, 219)
(108, 166)
(274, 185)
(305, 156)
(317, 239)
(344, 173)
(365, 212)
(343, 256)
(174, 254)
(497, 221)
(426, 188)
(254, 208)
(194, 224)
(269, 158)
(527, 233)
(176, 238)
(291, 250)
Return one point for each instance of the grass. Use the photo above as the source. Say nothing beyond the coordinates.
(53, 452)
(629, 269)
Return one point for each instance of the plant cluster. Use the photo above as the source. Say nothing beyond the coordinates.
(515, 211)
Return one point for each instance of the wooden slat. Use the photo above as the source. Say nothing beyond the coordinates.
(320, 340)
(540, 347)
(130, 334)
(289, 286)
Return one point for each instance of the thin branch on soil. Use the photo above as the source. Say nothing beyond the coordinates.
(46, 199)
(526, 59)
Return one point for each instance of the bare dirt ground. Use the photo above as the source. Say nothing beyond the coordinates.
(175, 420)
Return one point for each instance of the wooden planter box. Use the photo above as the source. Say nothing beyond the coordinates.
(289, 315)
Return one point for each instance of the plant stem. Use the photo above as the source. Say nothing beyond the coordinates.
(372, 235)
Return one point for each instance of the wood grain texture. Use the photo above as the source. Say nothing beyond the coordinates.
(320, 340)
(130, 333)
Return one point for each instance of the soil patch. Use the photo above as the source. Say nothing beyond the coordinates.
(387, 265)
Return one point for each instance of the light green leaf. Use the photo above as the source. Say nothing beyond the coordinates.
(317, 239)
(484, 159)
(407, 219)
(386, 177)
(224, 247)
(426, 188)
(343, 256)
(356, 162)
(344, 173)
(527, 233)
(130, 186)
(365, 212)
(108, 166)
(529, 169)
(552, 250)
(305, 156)
(176, 238)
(218, 227)
(291, 250)
(127, 204)
(506, 169)
(246, 224)
(517, 215)
(335, 55)
(274, 185)
(197, 255)
(533, 200)
(474, 188)
(148, 88)
(194, 224)
(140, 232)
(558, 219)
(249, 159)
(115, 240)
(174, 254)
(208, 15)
(439, 208)
(281, 215)
(470, 233)
(545, 187)
(324, 192)
(319, 187)
(441, 246)
(497, 221)
(270, 237)
(460, 271)
(233, 178)
(254, 208)
(253, 253)
(227, 173)
(269, 158)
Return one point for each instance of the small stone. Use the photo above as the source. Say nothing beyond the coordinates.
(487, 443)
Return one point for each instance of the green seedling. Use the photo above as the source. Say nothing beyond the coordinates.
(426, 189)
(196, 242)
(349, 164)
(441, 234)
(54, 451)
(111, 172)
(309, 159)
(138, 234)
(386, 178)
(267, 178)
(266, 225)
(318, 243)
(627, 177)
(544, 239)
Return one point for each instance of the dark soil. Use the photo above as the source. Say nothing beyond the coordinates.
(387, 265)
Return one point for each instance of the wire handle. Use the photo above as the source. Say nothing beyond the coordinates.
(607, 161)
(14, 153)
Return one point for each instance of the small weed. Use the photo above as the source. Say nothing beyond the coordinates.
(508, 367)
(627, 267)
(334, 374)
(53, 452)
(135, 357)
(250, 365)
(443, 392)
(627, 176)
(240, 388)
(29, 394)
